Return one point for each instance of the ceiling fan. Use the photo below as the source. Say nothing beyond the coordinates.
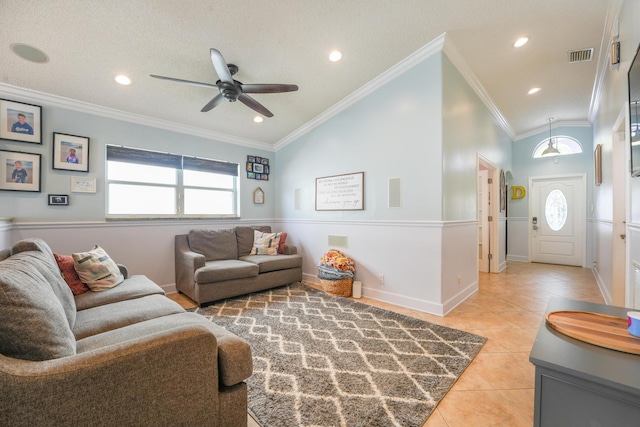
(232, 90)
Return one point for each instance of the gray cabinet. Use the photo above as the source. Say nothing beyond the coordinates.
(580, 384)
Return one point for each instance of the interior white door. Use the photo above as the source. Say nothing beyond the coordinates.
(557, 220)
(483, 221)
(619, 177)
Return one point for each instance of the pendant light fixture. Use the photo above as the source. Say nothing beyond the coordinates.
(550, 149)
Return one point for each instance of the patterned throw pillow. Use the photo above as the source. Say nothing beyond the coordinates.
(97, 270)
(265, 243)
(69, 274)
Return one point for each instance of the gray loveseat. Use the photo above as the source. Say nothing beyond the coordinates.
(216, 264)
(127, 356)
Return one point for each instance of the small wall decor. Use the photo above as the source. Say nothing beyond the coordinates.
(518, 192)
(58, 200)
(81, 184)
(340, 192)
(19, 171)
(70, 152)
(597, 161)
(20, 122)
(503, 192)
(258, 196)
(258, 168)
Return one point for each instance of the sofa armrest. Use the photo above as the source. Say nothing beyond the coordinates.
(153, 378)
(187, 262)
(124, 270)
(290, 250)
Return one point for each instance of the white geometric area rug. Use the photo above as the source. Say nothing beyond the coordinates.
(328, 361)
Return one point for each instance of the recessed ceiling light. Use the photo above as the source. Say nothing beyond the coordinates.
(335, 56)
(29, 53)
(123, 80)
(521, 41)
(534, 90)
(258, 119)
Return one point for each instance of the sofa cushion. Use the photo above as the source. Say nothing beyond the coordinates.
(69, 274)
(135, 286)
(265, 243)
(219, 271)
(97, 270)
(38, 328)
(268, 263)
(46, 264)
(214, 244)
(108, 317)
(244, 235)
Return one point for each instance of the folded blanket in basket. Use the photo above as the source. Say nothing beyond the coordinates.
(331, 273)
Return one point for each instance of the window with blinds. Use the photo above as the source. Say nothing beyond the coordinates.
(144, 183)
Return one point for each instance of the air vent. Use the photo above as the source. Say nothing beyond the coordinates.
(580, 55)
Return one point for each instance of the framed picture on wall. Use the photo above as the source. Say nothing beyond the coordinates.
(19, 171)
(70, 152)
(20, 122)
(597, 161)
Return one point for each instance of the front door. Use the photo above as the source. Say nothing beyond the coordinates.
(557, 220)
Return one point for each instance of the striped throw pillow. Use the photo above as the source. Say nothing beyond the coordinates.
(265, 243)
(96, 269)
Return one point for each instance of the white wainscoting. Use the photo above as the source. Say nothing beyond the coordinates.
(518, 239)
(602, 263)
(427, 265)
(420, 260)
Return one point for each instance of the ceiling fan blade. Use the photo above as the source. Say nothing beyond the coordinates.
(189, 82)
(221, 66)
(217, 100)
(252, 103)
(268, 88)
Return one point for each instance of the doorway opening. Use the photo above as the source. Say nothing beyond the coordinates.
(488, 204)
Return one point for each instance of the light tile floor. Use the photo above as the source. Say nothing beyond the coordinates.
(497, 389)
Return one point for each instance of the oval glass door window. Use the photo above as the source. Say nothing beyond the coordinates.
(555, 210)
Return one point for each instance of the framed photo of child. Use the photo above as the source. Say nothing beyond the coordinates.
(70, 152)
(20, 122)
(19, 171)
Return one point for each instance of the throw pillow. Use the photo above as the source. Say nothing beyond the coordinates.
(69, 274)
(265, 243)
(283, 239)
(96, 269)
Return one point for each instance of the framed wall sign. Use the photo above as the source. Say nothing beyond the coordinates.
(81, 184)
(340, 192)
(19, 171)
(20, 122)
(70, 152)
(258, 196)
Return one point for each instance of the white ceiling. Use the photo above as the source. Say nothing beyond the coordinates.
(288, 41)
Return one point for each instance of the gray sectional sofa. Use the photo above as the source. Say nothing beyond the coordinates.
(127, 356)
(216, 264)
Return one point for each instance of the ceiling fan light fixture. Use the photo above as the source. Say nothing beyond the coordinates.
(258, 119)
(521, 42)
(335, 56)
(533, 90)
(123, 80)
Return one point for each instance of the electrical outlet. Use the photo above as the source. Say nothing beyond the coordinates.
(381, 278)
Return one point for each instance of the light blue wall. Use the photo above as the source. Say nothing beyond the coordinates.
(32, 207)
(394, 132)
(469, 129)
(525, 166)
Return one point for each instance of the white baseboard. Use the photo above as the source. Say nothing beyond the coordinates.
(169, 288)
(518, 258)
(603, 289)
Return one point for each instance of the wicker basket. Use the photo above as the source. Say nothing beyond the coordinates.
(339, 288)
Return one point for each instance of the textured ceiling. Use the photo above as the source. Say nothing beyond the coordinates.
(288, 41)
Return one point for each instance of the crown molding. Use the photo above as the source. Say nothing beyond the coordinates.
(613, 14)
(30, 95)
(452, 52)
(554, 125)
(409, 62)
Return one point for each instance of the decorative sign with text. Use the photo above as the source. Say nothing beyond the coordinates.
(340, 192)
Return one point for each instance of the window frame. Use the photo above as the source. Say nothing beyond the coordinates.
(559, 140)
(170, 160)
